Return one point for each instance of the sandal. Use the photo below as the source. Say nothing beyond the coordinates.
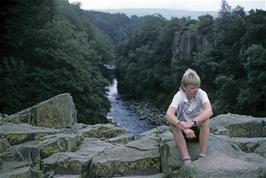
(202, 155)
(186, 159)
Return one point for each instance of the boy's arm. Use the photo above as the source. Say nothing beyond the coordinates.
(205, 114)
(171, 116)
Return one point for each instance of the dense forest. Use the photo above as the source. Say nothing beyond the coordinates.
(52, 47)
(48, 48)
(227, 51)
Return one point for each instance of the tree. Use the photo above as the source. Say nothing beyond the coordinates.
(252, 98)
(226, 94)
(206, 24)
(51, 54)
(255, 24)
(17, 28)
(225, 10)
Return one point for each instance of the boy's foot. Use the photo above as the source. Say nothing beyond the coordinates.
(186, 160)
(202, 155)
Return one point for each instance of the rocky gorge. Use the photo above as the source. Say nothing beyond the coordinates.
(147, 111)
(45, 140)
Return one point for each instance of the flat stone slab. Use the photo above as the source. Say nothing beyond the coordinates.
(160, 175)
(221, 165)
(11, 128)
(239, 126)
(20, 133)
(15, 169)
(66, 176)
(76, 162)
(122, 161)
(224, 160)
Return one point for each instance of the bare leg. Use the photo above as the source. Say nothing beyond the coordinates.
(204, 135)
(180, 141)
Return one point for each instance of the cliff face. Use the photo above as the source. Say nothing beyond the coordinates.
(189, 41)
(236, 148)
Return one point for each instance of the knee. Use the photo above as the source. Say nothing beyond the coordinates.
(205, 125)
(176, 130)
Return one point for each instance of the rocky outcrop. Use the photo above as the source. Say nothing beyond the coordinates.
(236, 149)
(227, 157)
(57, 112)
(188, 41)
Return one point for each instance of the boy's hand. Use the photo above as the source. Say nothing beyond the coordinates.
(189, 133)
(186, 125)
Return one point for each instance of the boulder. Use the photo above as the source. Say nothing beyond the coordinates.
(229, 155)
(16, 169)
(77, 162)
(235, 149)
(170, 156)
(61, 142)
(247, 144)
(56, 112)
(28, 151)
(20, 169)
(121, 161)
(223, 160)
(139, 157)
(239, 126)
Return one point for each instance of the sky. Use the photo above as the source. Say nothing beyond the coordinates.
(196, 5)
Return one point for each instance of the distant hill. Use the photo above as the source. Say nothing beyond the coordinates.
(167, 13)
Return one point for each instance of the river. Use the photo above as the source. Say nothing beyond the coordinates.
(121, 115)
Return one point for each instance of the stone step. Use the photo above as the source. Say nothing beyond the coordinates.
(18, 169)
(8, 156)
(75, 162)
(140, 157)
(28, 151)
(96, 158)
(66, 176)
(61, 142)
(160, 175)
(19, 133)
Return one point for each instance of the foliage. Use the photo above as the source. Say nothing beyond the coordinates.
(226, 93)
(221, 50)
(117, 27)
(146, 52)
(64, 49)
(252, 95)
(57, 51)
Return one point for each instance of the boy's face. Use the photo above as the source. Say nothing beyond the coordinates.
(191, 90)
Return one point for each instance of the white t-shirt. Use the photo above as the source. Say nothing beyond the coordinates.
(185, 109)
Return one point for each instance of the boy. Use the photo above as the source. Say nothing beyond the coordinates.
(189, 113)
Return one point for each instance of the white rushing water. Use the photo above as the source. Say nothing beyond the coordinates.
(121, 115)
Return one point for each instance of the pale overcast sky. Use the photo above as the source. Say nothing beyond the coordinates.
(199, 5)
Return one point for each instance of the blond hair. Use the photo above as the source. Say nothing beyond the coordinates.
(190, 77)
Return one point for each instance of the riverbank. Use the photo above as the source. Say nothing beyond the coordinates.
(147, 111)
